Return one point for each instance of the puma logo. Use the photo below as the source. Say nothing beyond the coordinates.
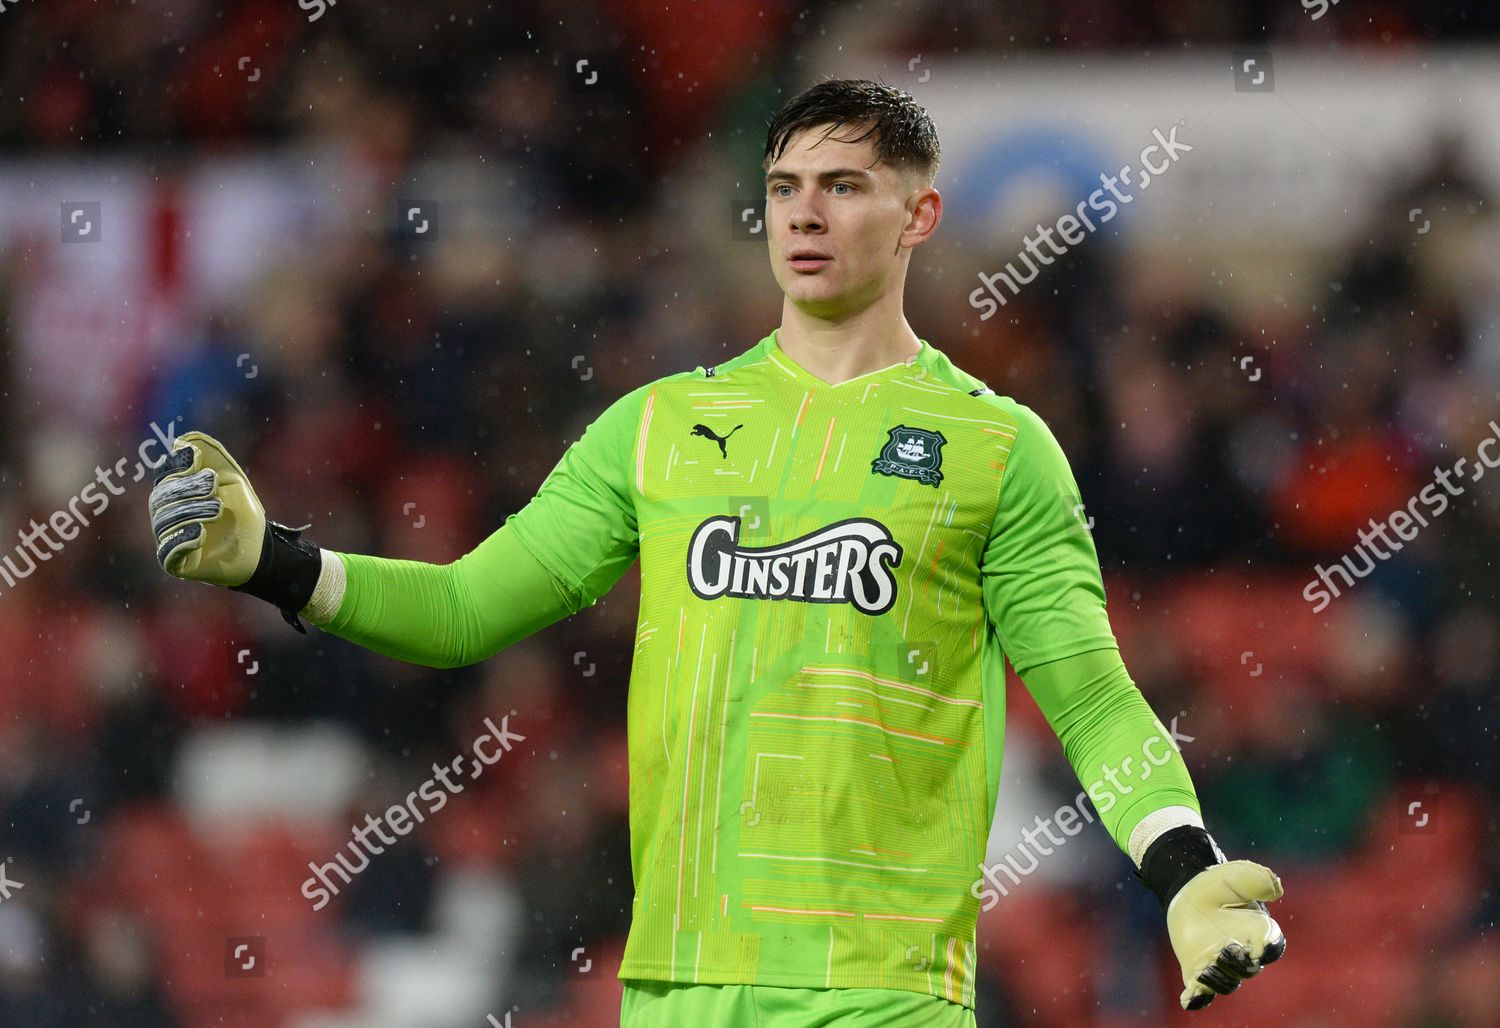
(709, 433)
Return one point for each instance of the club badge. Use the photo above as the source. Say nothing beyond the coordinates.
(911, 453)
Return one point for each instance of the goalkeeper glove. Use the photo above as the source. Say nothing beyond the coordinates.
(1217, 920)
(210, 527)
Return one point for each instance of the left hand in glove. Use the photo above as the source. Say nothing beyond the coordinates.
(1221, 930)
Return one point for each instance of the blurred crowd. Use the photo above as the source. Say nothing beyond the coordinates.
(405, 405)
(82, 76)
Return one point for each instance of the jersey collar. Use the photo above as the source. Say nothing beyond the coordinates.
(779, 357)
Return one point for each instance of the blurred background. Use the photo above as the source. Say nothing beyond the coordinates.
(398, 257)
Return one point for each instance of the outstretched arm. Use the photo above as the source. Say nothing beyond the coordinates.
(558, 554)
(444, 615)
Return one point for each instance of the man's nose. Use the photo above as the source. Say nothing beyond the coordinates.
(805, 216)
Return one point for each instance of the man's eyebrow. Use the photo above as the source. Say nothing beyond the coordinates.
(827, 176)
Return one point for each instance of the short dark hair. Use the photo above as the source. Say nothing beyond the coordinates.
(905, 138)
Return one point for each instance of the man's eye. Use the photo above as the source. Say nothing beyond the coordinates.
(845, 185)
(777, 190)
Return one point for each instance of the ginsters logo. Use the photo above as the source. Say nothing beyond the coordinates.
(847, 562)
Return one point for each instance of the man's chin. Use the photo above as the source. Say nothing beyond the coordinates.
(819, 298)
(812, 288)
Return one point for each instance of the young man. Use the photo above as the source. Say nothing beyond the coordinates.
(841, 535)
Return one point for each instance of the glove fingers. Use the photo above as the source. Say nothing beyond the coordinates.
(1218, 979)
(192, 510)
(1275, 947)
(1252, 881)
(1269, 940)
(211, 454)
(1235, 960)
(179, 460)
(194, 513)
(179, 504)
(1195, 997)
(182, 487)
(184, 498)
(178, 546)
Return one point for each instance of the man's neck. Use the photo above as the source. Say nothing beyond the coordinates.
(837, 352)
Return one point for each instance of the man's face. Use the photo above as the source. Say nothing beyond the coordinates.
(824, 197)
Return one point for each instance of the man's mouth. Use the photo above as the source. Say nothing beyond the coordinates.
(809, 260)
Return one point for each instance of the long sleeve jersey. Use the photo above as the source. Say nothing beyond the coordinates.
(831, 578)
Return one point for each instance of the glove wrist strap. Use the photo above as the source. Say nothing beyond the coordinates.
(1175, 858)
(287, 572)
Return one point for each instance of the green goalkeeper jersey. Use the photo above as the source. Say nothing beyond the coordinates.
(830, 575)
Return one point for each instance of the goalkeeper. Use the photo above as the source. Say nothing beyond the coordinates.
(841, 537)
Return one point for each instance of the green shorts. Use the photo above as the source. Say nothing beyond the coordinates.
(649, 1004)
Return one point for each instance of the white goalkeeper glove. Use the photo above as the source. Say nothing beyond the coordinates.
(1217, 920)
(210, 527)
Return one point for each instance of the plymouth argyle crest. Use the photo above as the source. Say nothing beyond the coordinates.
(912, 453)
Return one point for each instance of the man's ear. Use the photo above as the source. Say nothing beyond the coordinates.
(924, 213)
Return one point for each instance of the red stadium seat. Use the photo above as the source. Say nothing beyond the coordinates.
(1038, 942)
(594, 998)
(196, 897)
(1314, 987)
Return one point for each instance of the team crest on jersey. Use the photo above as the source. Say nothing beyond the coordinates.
(848, 561)
(911, 453)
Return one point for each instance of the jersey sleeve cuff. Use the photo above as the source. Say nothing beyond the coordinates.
(1156, 824)
(328, 594)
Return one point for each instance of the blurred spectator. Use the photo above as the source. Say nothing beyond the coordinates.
(405, 398)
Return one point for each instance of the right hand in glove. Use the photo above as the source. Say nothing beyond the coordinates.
(210, 527)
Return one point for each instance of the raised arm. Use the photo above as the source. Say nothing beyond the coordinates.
(558, 554)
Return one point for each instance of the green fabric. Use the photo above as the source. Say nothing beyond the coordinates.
(1103, 721)
(449, 615)
(831, 577)
(648, 1004)
(1041, 573)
